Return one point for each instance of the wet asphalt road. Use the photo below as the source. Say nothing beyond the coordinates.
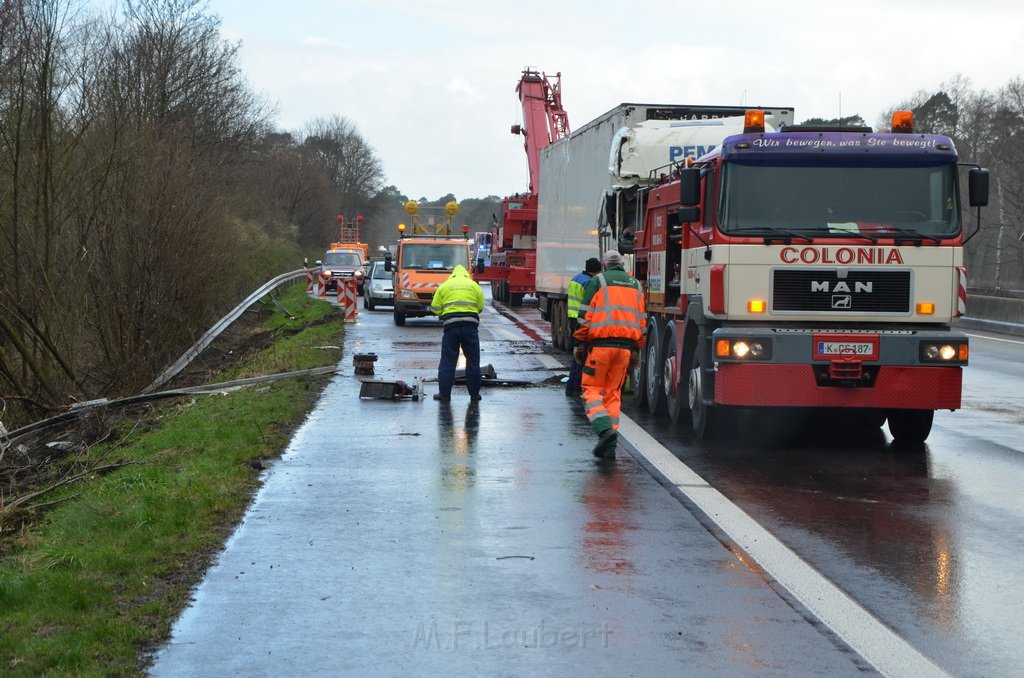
(926, 539)
(412, 538)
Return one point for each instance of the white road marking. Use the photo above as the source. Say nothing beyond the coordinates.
(1005, 341)
(550, 362)
(861, 630)
(504, 328)
(507, 335)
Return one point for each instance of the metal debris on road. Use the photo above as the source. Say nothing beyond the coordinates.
(388, 390)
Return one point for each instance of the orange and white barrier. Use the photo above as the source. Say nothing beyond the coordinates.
(348, 299)
(311, 289)
(322, 281)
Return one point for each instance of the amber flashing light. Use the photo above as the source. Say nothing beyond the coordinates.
(753, 121)
(903, 121)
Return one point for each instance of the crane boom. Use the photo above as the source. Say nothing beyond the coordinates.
(544, 119)
(511, 263)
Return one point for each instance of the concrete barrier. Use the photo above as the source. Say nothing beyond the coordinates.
(996, 314)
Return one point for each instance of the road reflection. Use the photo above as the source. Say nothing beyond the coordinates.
(838, 493)
(457, 446)
(609, 505)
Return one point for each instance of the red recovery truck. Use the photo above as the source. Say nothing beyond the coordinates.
(812, 267)
(512, 265)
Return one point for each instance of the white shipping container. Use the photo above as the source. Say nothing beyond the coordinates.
(620, 148)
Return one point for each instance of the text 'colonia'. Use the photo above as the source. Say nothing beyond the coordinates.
(840, 255)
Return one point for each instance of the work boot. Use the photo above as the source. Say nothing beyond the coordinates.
(475, 397)
(605, 448)
(442, 398)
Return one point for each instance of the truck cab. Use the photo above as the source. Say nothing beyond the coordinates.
(423, 260)
(813, 267)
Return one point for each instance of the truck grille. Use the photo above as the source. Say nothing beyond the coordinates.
(823, 291)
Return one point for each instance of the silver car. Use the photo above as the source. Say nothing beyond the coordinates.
(379, 289)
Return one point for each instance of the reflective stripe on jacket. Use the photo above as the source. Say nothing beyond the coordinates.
(575, 292)
(458, 299)
(613, 312)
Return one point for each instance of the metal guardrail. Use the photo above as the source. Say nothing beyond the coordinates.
(151, 393)
(212, 333)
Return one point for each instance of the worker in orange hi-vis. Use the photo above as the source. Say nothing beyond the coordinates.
(614, 326)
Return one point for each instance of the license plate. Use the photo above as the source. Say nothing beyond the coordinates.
(827, 347)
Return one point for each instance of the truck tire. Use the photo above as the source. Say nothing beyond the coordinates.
(676, 402)
(564, 332)
(567, 340)
(652, 377)
(910, 427)
(705, 420)
(639, 376)
(557, 320)
(515, 299)
(399, 318)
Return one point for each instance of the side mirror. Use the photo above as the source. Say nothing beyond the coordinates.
(977, 186)
(319, 262)
(688, 215)
(689, 186)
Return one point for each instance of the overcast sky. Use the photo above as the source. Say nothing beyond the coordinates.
(430, 84)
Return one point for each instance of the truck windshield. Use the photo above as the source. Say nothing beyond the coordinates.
(851, 199)
(351, 259)
(435, 256)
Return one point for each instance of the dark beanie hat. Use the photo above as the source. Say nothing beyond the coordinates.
(593, 265)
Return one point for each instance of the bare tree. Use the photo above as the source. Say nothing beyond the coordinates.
(119, 140)
(352, 167)
(40, 128)
(287, 189)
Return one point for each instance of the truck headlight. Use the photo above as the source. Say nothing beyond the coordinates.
(743, 349)
(944, 352)
(408, 294)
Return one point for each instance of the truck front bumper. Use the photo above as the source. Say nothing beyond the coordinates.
(415, 309)
(774, 385)
(891, 369)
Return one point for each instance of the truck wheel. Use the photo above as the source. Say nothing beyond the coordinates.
(910, 427)
(705, 419)
(557, 320)
(399, 318)
(566, 330)
(639, 376)
(675, 398)
(563, 326)
(655, 393)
